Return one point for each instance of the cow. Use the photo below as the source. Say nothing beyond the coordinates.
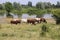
(15, 21)
(43, 20)
(24, 20)
(37, 20)
(31, 21)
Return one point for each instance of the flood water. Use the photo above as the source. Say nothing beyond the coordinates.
(47, 16)
(3, 17)
(27, 16)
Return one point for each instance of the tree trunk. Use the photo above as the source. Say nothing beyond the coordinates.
(9, 15)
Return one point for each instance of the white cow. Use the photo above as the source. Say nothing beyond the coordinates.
(38, 20)
(15, 19)
(24, 20)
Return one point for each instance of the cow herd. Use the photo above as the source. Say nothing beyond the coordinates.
(33, 21)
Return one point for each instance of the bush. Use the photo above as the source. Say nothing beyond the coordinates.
(4, 34)
(44, 29)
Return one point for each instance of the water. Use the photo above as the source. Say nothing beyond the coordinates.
(24, 16)
(14, 15)
(48, 16)
(27, 16)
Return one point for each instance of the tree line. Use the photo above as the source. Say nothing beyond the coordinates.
(39, 5)
(39, 9)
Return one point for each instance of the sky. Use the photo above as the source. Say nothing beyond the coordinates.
(26, 1)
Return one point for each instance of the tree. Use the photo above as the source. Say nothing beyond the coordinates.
(56, 14)
(17, 6)
(40, 5)
(31, 11)
(44, 29)
(1, 6)
(8, 7)
(58, 4)
(30, 4)
(47, 5)
(53, 5)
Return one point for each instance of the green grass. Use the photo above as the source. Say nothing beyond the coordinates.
(29, 32)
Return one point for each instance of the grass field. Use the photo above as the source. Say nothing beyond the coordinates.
(29, 32)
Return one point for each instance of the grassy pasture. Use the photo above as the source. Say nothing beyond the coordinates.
(29, 32)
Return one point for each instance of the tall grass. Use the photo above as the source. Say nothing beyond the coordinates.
(30, 32)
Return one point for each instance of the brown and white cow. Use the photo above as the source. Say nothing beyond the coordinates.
(43, 20)
(37, 20)
(31, 21)
(15, 21)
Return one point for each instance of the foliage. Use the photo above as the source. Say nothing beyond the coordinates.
(57, 12)
(40, 8)
(17, 6)
(58, 4)
(47, 5)
(40, 5)
(44, 29)
(43, 5)
(1, 7)
(8, 6)
(2, 12)
(30, 4)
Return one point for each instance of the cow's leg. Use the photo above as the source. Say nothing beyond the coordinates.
(40, 21)
(33, 23)
(45, 21)
(16, 23)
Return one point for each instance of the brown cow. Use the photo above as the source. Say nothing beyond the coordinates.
(31, 21)
(15, 21)
(43, 20)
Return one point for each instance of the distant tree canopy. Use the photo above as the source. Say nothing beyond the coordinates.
(39, 9)
(8, 8)
(58, 4)
(30, 4)
(17, 6)
(39, 5)
(1, 7)
(45, 5)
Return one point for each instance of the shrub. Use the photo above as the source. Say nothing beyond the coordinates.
(4, 34)
(44, 29)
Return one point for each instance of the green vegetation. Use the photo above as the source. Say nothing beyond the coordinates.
(44, 29)
(39, 9)
(29, 32)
